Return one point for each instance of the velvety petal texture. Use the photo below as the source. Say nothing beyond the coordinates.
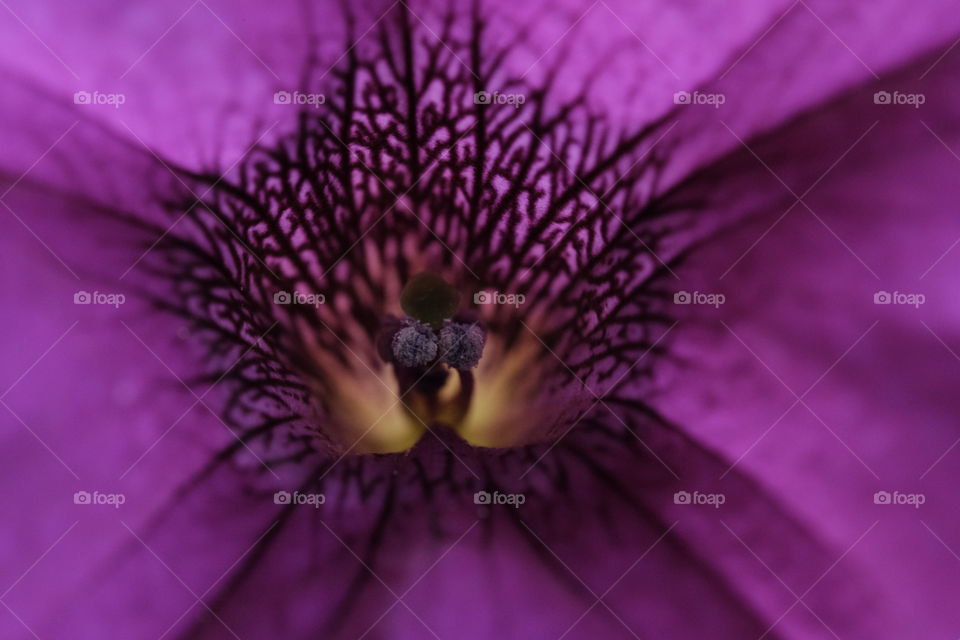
(706, 255)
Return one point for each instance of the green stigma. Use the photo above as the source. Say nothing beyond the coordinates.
(430, 299)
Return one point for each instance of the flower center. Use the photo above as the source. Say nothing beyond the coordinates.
(432, 351)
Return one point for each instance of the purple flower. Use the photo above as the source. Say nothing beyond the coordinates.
(689, 371)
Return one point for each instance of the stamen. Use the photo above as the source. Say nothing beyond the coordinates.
(461, 345)
(415, 345)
